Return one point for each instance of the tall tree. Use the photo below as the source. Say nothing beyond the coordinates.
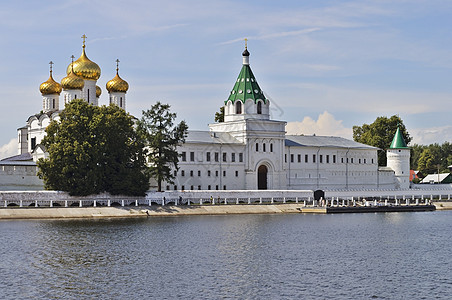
(426, 163)
(162, 138)
(219, 115)
(92, 150)
(380, 134)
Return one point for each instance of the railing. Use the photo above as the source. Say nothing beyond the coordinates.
(302, 197)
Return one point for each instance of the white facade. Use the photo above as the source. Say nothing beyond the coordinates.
(248, 151)
(399, 161)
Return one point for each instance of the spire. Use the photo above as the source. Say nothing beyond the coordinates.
(246, 86)
(246, 54)
(398, 142)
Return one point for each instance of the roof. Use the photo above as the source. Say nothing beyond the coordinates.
(398, 142)
(324, 141)
(24, 159)
(434, 178)
(246, 86)
(210, 137)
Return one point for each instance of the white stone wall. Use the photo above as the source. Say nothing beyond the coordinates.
(399, 161)
(119, 99)
(69, 95)
(50, 102)
(19, 178)
(89, 92)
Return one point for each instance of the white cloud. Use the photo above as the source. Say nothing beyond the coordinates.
(326, 124)
(9, 149)
(426, 136)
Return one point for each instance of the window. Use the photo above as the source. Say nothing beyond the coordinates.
(342, 160)
(167, 187)
(372, 160)
(192, 156)
(216, 173)
(259, 107)
(191, 188)
(199, 173)
(291, 158)
(175, 187)
(191, 173)
(217, 156)
(263, 147)
(305, 158)
(334, 159)
(33, 143)
(347, 159)
(88, 95)
(175, 173)
(199, 187)
(208, 173)
(216, 187)
(224, 173)
(209, 187)
(364, 160)
(285, 158)
(233, 157)
(224, 187)
(299, 158)
(359, 160)
(271, 147)
(313, 158)
(238, 107)
(208, 156)
(327, 159)
(120, 102)
(240, 157)
(224, 156)
(184, 156)
(257, 147)
(182, 173)
(236, 173)
(321, 158)
(53, 103)
(352, 159)
(182, 187)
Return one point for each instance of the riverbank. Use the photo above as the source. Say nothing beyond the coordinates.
(143, 211)
(149, 211)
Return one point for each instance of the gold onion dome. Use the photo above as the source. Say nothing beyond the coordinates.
(72, 82)
(117, 84)
(84, 67)
(50, 86)
(98, 91)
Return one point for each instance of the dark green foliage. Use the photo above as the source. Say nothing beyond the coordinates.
(380, 134)
(162, 138)
(428, 158)
(92, 150)
(219, 116)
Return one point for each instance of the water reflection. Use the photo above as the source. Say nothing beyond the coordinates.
(354, 256)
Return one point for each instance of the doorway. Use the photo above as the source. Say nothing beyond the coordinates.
(262, 177)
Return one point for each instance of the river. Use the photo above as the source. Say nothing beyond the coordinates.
(284, 256)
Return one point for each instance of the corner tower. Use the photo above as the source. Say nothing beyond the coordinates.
(398, 156)
(246, 100)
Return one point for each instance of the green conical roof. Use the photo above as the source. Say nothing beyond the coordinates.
(398, 142)
(246, 86)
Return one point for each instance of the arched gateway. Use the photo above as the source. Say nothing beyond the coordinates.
(262, 177)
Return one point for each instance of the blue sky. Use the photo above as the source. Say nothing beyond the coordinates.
(325, 65)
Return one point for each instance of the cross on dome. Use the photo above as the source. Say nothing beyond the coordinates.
(51, 65)
(117, 66)
(84, 38)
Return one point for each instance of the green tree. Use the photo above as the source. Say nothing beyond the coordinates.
(219, 115)
(380, 134)
(162, 138)
(92, 150)
(426, 163)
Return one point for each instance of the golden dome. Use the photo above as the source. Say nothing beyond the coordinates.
(98, 91)
(117, 85)
(84, 67)
(72, 82)
(50, 86)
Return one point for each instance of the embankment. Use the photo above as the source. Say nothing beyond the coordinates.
(143, 211)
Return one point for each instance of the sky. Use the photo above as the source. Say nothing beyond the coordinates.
(325, 65)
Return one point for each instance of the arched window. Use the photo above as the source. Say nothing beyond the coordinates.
(238, 107)
(120, 102)
(88, 95)
(53, 103)
(259, 107)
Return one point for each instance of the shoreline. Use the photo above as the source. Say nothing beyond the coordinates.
(154, 211)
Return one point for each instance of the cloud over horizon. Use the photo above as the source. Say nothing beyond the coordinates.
(325, 124)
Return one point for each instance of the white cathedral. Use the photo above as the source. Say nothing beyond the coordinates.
(248, 151)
